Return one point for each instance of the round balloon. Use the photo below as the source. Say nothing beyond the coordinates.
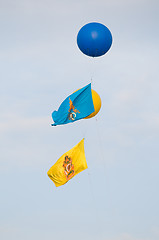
(96, 102)
(94, 39)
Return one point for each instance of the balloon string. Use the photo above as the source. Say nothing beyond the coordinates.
(84, 127)
(92, 69)
(103, 159)
(95, 210)
(99, 141)
(101, 151)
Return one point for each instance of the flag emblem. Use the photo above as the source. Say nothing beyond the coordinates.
(68, 168)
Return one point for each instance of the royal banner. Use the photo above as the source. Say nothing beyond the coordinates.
(68, 165)
(76, 106)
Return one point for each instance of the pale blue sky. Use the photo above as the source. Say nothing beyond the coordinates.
(117, 198)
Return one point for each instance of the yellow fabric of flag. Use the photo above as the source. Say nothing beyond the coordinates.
(68, 165)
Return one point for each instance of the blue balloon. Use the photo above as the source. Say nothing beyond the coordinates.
(94, 39)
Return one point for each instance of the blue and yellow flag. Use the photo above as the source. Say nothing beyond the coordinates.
(75, 107)
(68, 165)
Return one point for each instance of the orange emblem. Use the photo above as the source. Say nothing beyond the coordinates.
(68, 167)
(72, 115)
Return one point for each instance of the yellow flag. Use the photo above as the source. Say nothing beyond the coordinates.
(68, 165)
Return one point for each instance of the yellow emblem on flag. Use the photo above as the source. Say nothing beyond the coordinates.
(68, 165)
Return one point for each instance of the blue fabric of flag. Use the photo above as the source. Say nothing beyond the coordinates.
(76, 106)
